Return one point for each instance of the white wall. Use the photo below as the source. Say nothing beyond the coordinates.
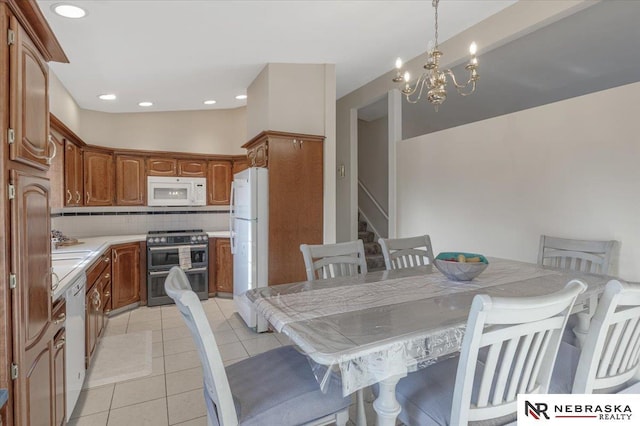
(567, 169)
(221, 131)
(514, 21)
(205, 131)
(299, 98)
(373, 171)
(62, 104)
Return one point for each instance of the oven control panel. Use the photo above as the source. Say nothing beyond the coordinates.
(159, 239)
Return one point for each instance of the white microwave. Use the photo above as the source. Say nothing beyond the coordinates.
(176, 191)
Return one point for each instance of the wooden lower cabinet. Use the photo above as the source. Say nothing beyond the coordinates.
(125, 265)
(224, 266)
(98, 302)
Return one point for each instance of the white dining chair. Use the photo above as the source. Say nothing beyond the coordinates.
(517, 338)
(273, 388)
(576, 255)
(323, 261)
(400, 253)
(610, 356)
(334, 260)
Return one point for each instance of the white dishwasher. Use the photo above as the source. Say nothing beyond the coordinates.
(75, 339)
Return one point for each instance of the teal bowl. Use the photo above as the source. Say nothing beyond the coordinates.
(447, 263)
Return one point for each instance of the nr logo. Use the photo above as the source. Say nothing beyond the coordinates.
(536, 410)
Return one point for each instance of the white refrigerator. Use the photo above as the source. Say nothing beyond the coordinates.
(249, 223)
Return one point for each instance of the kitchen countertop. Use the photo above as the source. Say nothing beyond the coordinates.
(79, 257)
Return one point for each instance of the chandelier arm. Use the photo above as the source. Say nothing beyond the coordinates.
(419, 84)
(458, 85)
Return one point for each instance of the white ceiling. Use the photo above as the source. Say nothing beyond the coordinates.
(179, 53)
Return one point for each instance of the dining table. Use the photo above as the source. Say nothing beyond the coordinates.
(380, 326)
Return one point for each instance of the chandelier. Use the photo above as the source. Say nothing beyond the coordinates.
(434, 80)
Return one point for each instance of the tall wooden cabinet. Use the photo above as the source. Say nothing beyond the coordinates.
(295, 163)
(31, 331)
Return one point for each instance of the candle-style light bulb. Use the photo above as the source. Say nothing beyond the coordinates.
(473, 48)
(407, 77)
(398, 63)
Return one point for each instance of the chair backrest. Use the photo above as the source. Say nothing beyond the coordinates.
(521, 337)
(400, 253)
(220, 407)
(334, 260)
(611, 351)
(576, 255)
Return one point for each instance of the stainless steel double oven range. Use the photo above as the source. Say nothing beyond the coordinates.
(186, 248)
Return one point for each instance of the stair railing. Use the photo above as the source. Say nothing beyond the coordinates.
(373, 199)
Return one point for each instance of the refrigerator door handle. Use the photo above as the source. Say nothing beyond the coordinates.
(231, 218)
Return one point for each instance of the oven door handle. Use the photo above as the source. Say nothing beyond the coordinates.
(196, 246)
(160, 273)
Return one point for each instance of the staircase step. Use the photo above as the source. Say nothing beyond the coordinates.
(372, 248)
(366, 236)
(375, 262)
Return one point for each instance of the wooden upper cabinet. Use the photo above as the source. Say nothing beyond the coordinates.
(219, 182)
(192, 168)
(126, 274)
(98, 178)
(239, 165)
(73, 184)
(29, 104)
(130, 180)
(159, 166)
(257, 154)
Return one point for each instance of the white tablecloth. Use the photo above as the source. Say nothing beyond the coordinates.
(389, 323)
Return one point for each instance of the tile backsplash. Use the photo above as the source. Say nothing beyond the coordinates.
(99, 221)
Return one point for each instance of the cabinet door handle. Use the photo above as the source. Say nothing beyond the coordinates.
(107, 276)
(69, 196)
(88, 197)
(107, 294)
(115, 256)
(55, 151)
(78, 197)
(60, 318)
(60, 343)
(107, 259)
(54, 286)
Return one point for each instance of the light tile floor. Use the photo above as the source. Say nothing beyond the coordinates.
(172, 394)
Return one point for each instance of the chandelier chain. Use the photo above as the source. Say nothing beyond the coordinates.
(435, 4)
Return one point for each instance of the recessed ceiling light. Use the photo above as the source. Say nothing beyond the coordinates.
(241, 97)
(145, 104)
(107, 97)
(69, 10)
(209, 102)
